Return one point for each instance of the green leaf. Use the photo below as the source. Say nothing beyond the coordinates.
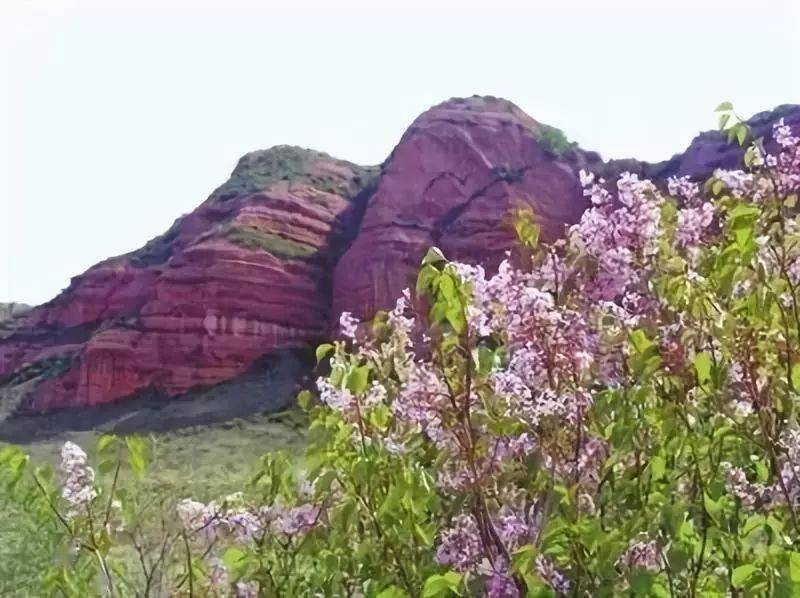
(305, 399)
(137, 449)
(713, 507)
(358, 379)
(426, 277)
(796, 376)
(442, 585)
(641, 583)
(233, 557)
(105, 441)
(455, 315)
(447, 287)
(323, 351)
(392, 592)
(746, 576)
(753, 523)
(741, 134)
(657, 467)
(434, 256)
(702, 364)
(425, 535)
(794, 566)
(723, 107)
(640, 341)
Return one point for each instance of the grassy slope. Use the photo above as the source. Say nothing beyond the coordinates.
(202, 462)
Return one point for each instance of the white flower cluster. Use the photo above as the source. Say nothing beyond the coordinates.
(78, 479)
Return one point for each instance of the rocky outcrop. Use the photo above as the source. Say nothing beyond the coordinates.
(12, 310)
(265, 265)
(452, 181)
(245, 275)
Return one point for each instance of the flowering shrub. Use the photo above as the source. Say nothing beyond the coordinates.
(613, 413)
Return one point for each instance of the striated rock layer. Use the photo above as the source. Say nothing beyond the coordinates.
(245, 275)
(266, 264)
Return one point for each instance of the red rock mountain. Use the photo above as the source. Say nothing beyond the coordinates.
(452, 181)
(294, 237)
(244, 275)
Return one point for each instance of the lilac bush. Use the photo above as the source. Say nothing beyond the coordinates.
(611, 414)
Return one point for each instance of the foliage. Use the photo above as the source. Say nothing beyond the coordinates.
(554, 141)
(260, 170)
(279, 246)
(617, 415)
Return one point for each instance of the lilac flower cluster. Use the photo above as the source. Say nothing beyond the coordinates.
(554, 578)
(560, 325)
(348, 325)
(641, 554)
(245, 525)
(783, 492)
(78, 489)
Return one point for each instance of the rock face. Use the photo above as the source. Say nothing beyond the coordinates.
(245, 275)
(452, 181)
(12, 310)
(266, 264)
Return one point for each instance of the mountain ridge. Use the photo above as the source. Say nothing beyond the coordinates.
(265, 264)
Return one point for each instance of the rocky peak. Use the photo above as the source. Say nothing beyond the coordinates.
(458, 171)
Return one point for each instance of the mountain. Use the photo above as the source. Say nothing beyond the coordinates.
(12, 310)
(258, 273)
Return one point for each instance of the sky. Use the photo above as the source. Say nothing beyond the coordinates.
(118, 116)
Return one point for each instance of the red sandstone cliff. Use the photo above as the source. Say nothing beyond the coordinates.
(246, 274)
(272, 257)
(452, 181)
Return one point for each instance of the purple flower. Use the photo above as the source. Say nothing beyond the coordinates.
(460, 545)
(501, 584)
(641, 555)
(692, 223)
(348, 325)
(554, 578)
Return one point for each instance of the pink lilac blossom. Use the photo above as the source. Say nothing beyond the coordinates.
(501, 584)
(78, 489)
(750, 495)
(739, 183)
(338, 399)
(554, 578)
(217, 574)
(782, 133)
(460, 545)
(299, 520)
(793, 271)
(422, 400)
(641, 554)
(684, 188)
(245, 525)
(376, 395)
(617, 234)
(394, 447)
(247, 589)
(782, 492)
(348, 325)
(692, 224)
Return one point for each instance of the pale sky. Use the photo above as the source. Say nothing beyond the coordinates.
(117, 116)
